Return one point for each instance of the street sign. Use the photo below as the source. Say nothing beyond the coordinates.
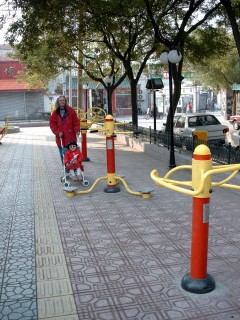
(236, 86)
(155, 75)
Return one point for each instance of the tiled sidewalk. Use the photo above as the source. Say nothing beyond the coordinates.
(104, 256)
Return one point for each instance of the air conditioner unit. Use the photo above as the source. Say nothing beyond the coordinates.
(140, 95)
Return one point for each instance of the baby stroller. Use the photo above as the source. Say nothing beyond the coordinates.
(66, 177)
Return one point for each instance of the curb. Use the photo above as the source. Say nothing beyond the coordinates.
(13, 130)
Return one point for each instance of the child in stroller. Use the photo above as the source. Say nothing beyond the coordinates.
(73, 161)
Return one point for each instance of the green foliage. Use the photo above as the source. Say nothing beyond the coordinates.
(41, 61)
(213, 56)
(103, 36)
(205, 43)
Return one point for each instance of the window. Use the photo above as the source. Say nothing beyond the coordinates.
(180, 122)
(201, 121)
(123, 99)
(192, 122)
(211, 120)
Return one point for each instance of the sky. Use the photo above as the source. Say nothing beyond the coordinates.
(4, 10)
(2, 34)
(4, 29)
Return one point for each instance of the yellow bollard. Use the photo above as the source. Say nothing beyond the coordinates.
(200, 135)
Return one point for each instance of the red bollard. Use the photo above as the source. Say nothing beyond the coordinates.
(112, 186)
(200, 227)
(84, 125)
(198, 280)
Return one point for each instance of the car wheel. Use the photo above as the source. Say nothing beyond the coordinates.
(235, 125)
(184, 147)
(184, 144)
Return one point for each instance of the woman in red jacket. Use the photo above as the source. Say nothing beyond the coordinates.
(65, 124)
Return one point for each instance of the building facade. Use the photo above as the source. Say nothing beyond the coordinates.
(17, 101)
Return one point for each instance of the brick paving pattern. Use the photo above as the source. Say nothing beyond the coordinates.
(104, 256)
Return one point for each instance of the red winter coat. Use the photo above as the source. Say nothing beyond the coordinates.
(69, 126)
(75, 155)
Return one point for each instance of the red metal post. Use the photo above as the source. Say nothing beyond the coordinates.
(112, 186)
(200, 227)
(84, 125)
(198, 280)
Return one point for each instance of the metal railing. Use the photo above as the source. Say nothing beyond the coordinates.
(221, 153)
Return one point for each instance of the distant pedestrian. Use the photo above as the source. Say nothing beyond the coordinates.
(189, 107)
(184, 108)
(208, 104)
(65, 124)
(212, 107)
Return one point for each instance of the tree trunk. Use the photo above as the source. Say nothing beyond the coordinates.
(177, 81)
(232, 18)
(133, 84)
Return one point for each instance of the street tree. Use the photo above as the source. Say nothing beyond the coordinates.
(128, 29)
(232, 11)
(128, 36)
(218, 69)
(81, 30)
(48, 46)
(173, 23)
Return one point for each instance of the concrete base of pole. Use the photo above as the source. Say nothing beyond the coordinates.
(199, 286)
(111, 189)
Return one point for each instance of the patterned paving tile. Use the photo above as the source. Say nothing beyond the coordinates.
(106, 256)
(54, 290)
(18, 281)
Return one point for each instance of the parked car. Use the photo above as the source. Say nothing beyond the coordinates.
(186, 124)
(163, 124)
(235, 121)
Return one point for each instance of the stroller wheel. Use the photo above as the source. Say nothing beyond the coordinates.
(85, 183)
(66, 184)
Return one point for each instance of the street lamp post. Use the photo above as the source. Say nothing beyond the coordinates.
(154, 116)
(108, 80)
(170, 58)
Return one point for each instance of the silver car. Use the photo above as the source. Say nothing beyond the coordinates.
(186, 124)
